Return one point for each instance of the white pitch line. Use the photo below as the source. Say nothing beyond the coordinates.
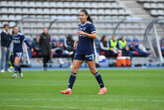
(65, 107)
(89, 100)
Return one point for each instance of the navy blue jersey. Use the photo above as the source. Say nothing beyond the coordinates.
(18, 42)
(85, 44)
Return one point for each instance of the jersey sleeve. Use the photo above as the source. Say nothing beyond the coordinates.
(92, 27)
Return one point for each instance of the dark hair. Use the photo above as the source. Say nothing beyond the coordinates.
(122, 37)
(102, 38)
(69, 36)
(5, 25)
(86, 13)
(15, 27)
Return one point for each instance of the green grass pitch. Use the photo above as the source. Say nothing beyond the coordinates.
(133, 89)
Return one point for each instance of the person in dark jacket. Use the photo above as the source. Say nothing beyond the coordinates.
(68, 44)
(44, 41)
(5, 48)
(104, 46)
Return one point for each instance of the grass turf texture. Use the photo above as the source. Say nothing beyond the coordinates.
(128, 90)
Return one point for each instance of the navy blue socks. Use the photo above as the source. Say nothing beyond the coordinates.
(71, 80)
(17, 68)
(99, 79)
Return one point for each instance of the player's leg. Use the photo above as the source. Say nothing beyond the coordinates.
(2, 59)
(97, 75)
(44, 62)
(75, 67)
(7, 61)
(72, 78)
(17, 66)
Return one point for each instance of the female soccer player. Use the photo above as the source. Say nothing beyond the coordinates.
(17, 39)
(85, 52)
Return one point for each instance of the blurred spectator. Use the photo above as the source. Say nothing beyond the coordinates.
(104, 46)
(138, 49)
(68, 44)
(124, 46)
(59, 50)
(5, 48)
(114, 48)
(162, 46)
(53, 43)
(44, 42)
(36, 50)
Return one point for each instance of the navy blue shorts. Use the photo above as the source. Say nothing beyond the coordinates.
(84, 57)
(18, 54)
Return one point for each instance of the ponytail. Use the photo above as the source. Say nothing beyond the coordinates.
(89, 17)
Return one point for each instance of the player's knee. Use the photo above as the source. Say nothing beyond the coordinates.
(74, 69)
(74, 72)
(93, 70)
(16, 62)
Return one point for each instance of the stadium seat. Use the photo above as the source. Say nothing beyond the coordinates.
(62, 10)
(156, 7)
(59, 4)
(38, 4)
(4, 10)
(32, 4)
(46, 4)
(18, 17)
(11, 3)
(3, 3)
(25, 3)
(17, 3)
(11, 17)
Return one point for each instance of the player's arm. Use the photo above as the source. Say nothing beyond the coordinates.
(26, 42)
(92, 35)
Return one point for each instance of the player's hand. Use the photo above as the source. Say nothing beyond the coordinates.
(127, 48)
(32, 50)
(80, 32)
(5, 49)
(75, 46)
